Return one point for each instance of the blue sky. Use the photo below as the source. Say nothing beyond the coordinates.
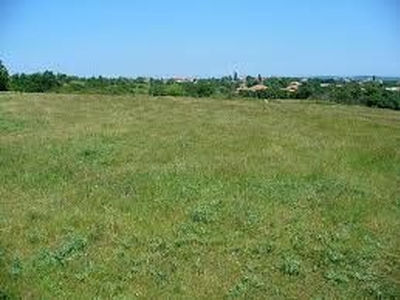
(201, 38)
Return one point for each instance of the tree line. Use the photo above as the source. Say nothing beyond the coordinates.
(373, 93)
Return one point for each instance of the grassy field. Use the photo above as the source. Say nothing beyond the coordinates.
(123, 197)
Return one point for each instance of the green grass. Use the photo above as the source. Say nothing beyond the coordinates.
(122, 197)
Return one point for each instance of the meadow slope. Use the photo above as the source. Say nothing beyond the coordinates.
(197, 198)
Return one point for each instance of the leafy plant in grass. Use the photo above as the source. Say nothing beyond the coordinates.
(60, 256)
(262, 249)
(336, 276)
(291, 266)
(205, 213)
(246, 286)
(16, 267)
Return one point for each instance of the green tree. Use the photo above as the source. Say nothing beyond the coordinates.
(251, 81)
(4, 77)
(304, 91)
(157, 88)
(204, 88)
(174, 89)
(235, 77)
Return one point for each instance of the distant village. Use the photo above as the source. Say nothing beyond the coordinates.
(260, 83)
(382, 92)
